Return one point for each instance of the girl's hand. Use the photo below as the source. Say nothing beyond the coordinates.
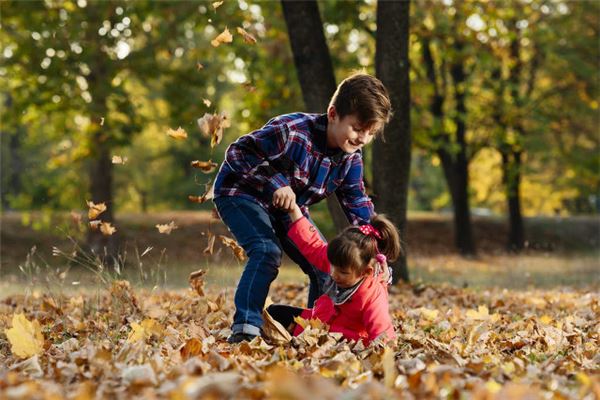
(295, 212)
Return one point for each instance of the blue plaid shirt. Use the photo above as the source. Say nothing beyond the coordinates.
(291, 150)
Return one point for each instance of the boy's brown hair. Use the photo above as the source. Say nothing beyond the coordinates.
(354, 250)
(365, 97)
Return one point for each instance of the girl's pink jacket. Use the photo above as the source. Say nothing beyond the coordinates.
(364, 316)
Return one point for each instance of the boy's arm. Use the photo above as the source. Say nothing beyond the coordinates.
(352, 195)
(306, 237)
(262, 151)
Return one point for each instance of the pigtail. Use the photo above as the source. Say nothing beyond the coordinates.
(389, 244)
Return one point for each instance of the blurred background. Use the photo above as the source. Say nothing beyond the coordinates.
(503, 98)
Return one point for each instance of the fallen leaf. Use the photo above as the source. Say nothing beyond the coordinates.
(248, 38)
(166, 228)
(145, 330)
(95, 209)
(191, 348)
(107, 229)
(25, 337)
(223, 37)
(205, 166)
(179, 134)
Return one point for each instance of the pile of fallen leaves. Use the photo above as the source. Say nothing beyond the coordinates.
(452, 343)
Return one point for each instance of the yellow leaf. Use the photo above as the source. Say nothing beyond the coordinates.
(166, 228)
(389, 367)
(95, 209)
(492, 386)
(546, 319)
(223, 37)
(217, 4)
(25, 337)
(107, 229)
(145, 330)
(429, 314)
(180, 133)
(248, 38)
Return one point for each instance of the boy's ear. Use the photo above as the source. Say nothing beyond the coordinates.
(331, 112)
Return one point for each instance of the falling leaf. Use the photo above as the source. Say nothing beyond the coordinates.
(216, 4)
(205, 166)
(95, 224)
(199, 66)
(95, 209)
(101, 121)
(238, 251)
(119, 160)
(145, 330)
(25, 337)
(166, 228)
(206, 102)
(248, 38)
(197, 282)
(212, 125)
(179, 134)
(107, 229)
(223, 37)
(211, 244)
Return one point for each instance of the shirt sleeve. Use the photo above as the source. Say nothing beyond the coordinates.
(376, 317)
(352, 195)
(262, 152)
(306, 237)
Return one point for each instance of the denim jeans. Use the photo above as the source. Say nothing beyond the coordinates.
(264, 239)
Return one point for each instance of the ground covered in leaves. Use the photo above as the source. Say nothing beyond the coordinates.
(452, 343)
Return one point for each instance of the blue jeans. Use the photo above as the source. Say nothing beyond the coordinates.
(264, 239)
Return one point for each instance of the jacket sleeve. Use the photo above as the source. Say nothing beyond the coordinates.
(262, 151)
(376, 315)
(306, 237)
(352, 195)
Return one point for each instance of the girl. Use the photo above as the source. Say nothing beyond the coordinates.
(355, 302)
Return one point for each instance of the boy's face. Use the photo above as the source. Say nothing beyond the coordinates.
(347, 133)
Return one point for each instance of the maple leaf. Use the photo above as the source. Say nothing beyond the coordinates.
(107, 229)
(95, 209)
(95, 224)
(25, 337)
(238, 251)
(166, 228)
(145, 330)
(179, 134)
(205, 166)
(223, 37)
(196, 281)
(248, 38)
(119, 160)
(212, 125)
(211, 244)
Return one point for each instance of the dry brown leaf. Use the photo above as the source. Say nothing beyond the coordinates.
(191, 348)
(197, 282)
(212, 125)
(95, 209)
(208, 195)
(107, 229)
(205, 166)
(248, 38)
(210, 245)
(166, 228)
(237, 250)
(179, 134)
(223, 37)
(95, 224)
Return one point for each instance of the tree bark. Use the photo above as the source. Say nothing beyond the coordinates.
(314, 68)
(391, 166)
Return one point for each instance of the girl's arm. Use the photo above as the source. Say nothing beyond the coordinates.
(306, 237)
(376, 316)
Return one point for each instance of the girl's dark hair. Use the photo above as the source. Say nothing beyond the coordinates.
(353, 249)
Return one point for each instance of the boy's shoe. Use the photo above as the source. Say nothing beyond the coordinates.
(240, 337)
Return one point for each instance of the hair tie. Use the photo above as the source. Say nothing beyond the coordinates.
(369, 230)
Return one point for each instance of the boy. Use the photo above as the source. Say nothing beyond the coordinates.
(295, 158)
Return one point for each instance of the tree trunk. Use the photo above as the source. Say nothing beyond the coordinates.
(463, 235)
(315, 70)
(391, 170)
(511, 177)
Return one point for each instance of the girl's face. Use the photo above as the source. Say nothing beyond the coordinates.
(346, 277)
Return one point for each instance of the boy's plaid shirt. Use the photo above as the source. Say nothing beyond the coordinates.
(291, 150)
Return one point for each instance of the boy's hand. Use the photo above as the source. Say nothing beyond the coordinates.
(284, 198)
